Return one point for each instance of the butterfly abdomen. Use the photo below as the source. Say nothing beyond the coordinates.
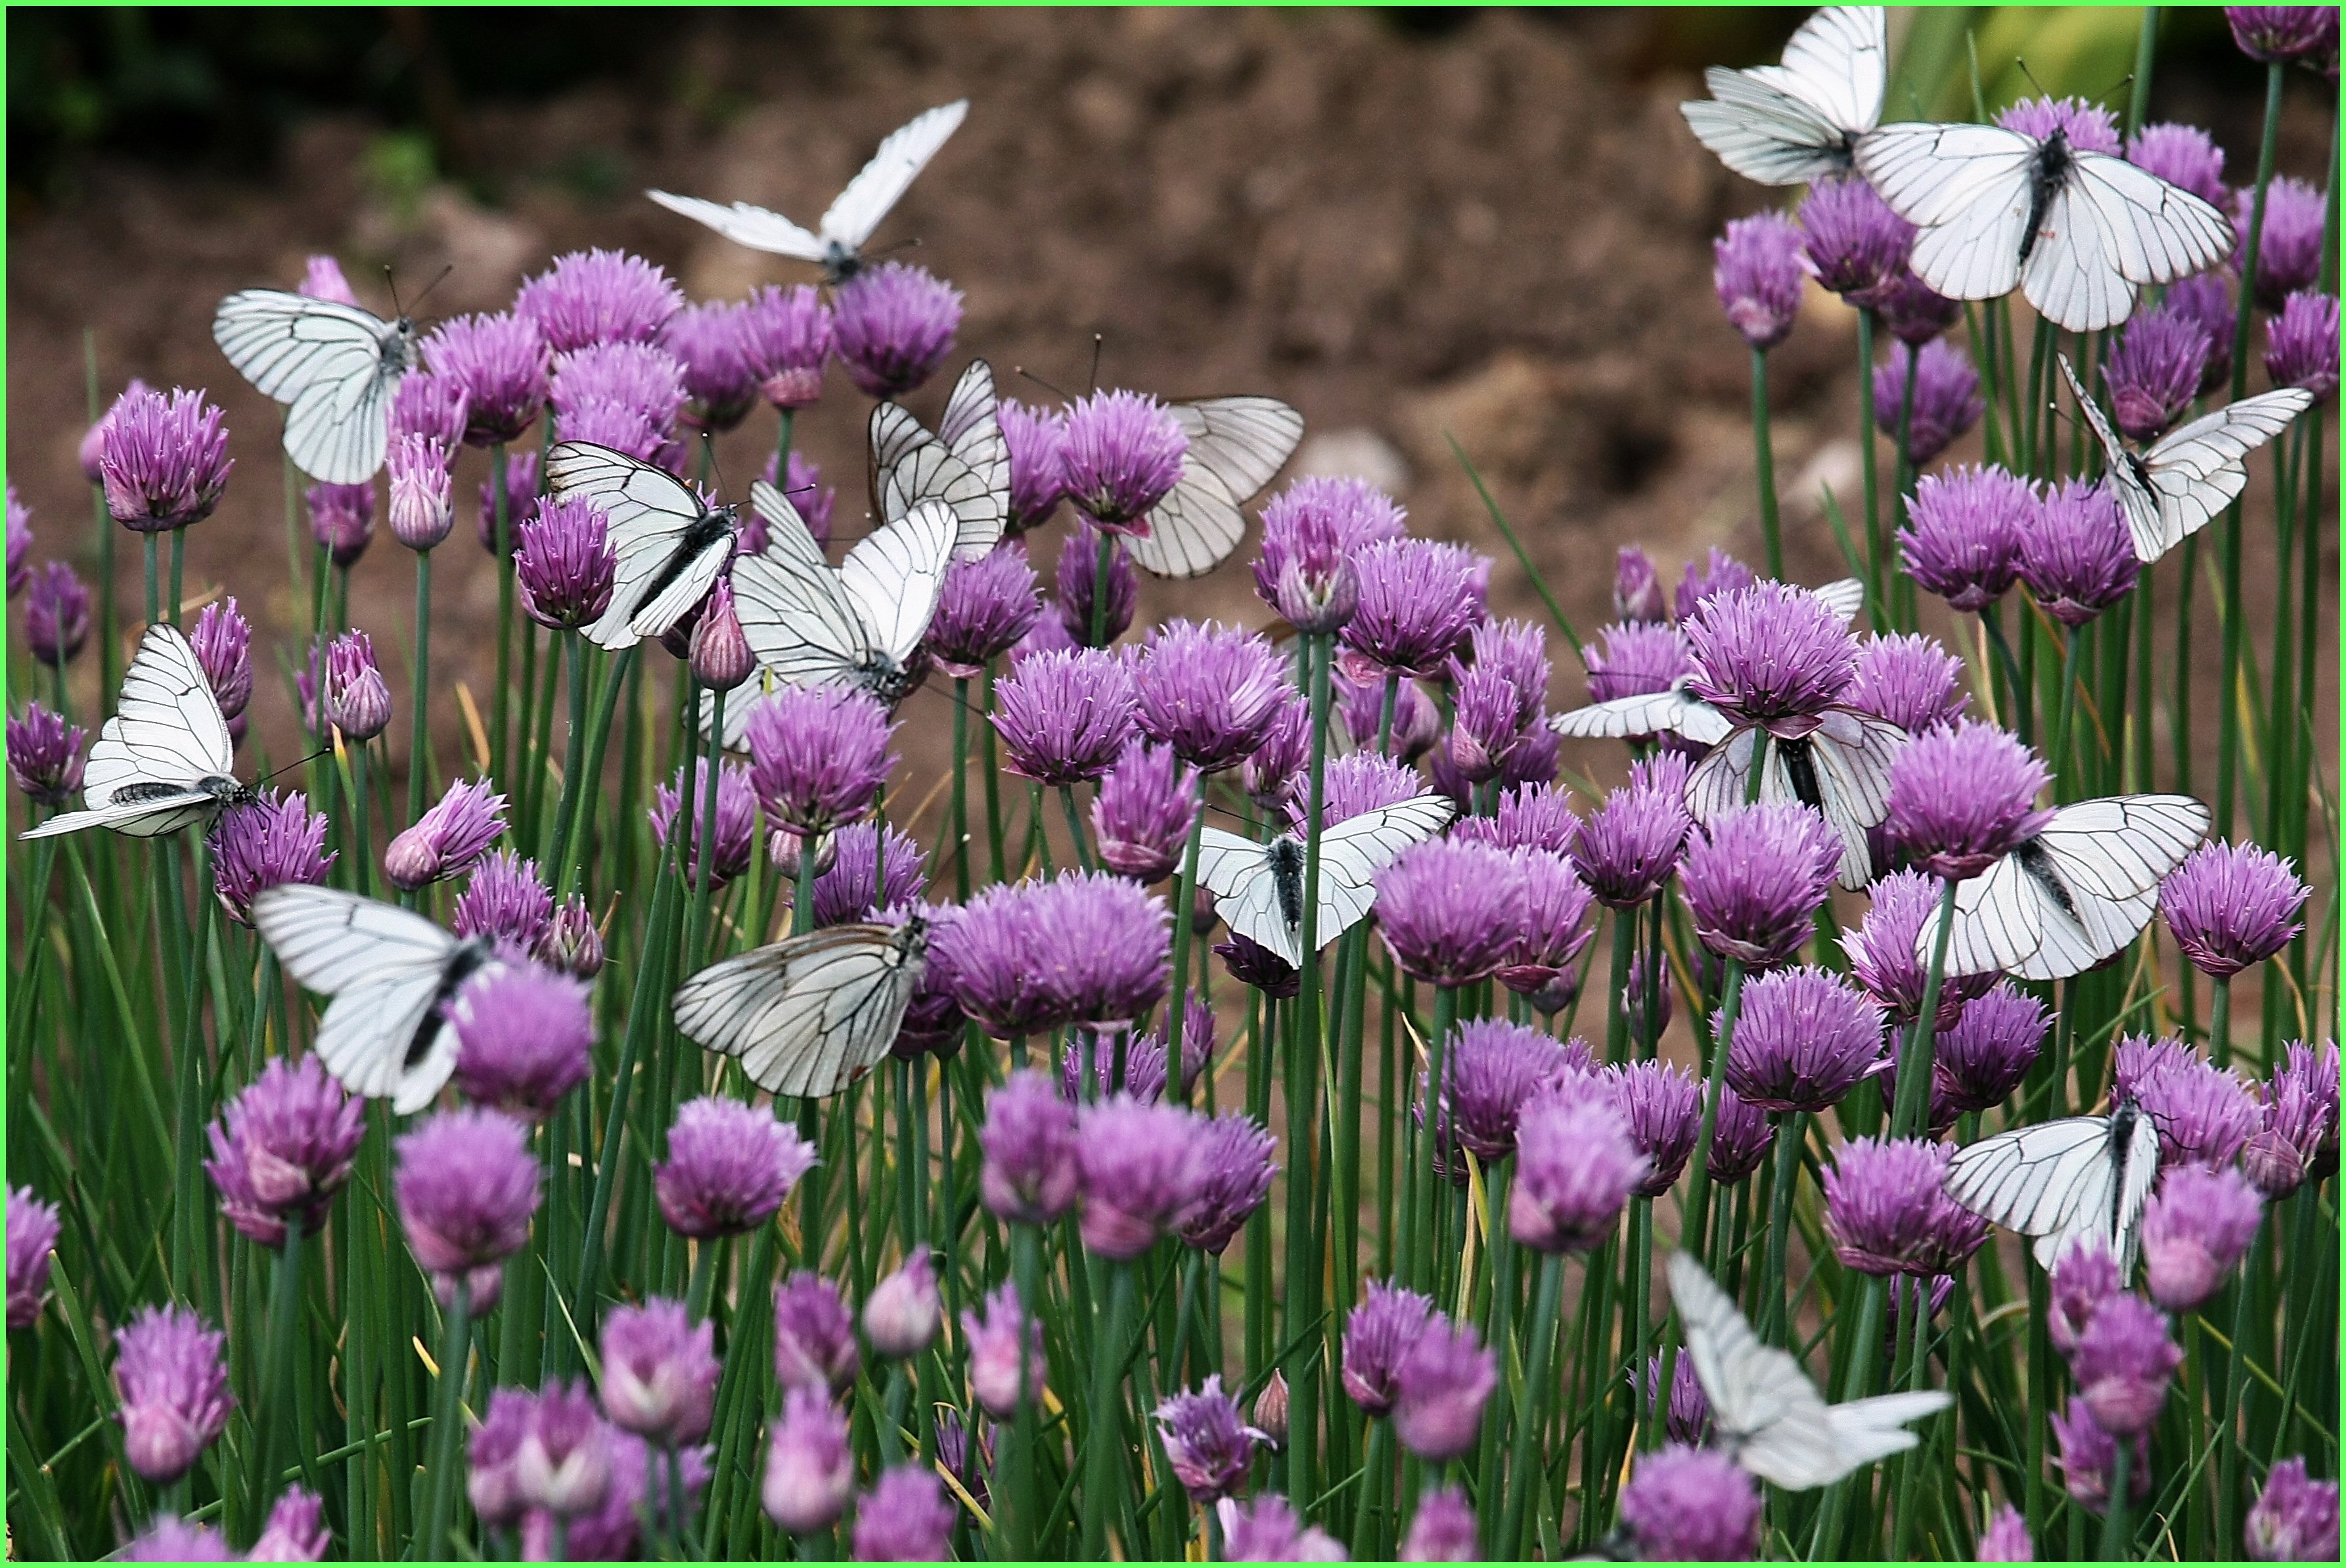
(142, 791)
(712, 526)
(1286, 858)
(462, 965)
(2052, 169)
(2039, 865)
(1800, 767)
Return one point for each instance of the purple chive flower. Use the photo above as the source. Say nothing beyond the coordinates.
(932, 1023)
(1235, 1168)
(1077, 579)
(711, 342)
(2139, 1058)
(1441, 1384)
(1037, 441)
(564, 564)
(1258, 966)
(2205, 1115)
(448, 838)
(1910, 680)
(1756, 269)
(728, 1167)
(2078, 560)
(1754, 877)
(1100, 946)
(1378, 1337)
(1351, 787)
(222, 640)
(1627, 848)
(2006, 1539)
(1851, 241)
(2153, 371)
(2088, 126)
(2232, 906)
(1638, 658)
(1208, 1442)
(503, 366)
(1963, 538)
(1143, 811)
(1717, 573)
(1663, 1108)
(1210, 692)
(20, 544)
(1887, 1211)
(1142, 1166)
(1030, 1176)
(1576, 1165)
(1947, 401)
(984, 608)
(1269, 775)
(171, 1540)
(2302, 343)
(1561, 922)
(1688, 1504)
(423, 510)
(571, 942)
(57, 615)
(1637, 586)
(2083, 1277)
(1269, 1531)
(295, 1531)
(282, 1148)
(1535, 817)
(636, 377)
(1141, 1059)
(1804, 1039)
(810, 1467)
(1416, 723)
(996, 1368)
(849, 890)
(1983, 1055)
(506, 897)
(432, 409)
(984, 953)
(1915, 313)
(163, 462)
(1064, 717)
(968, 1452)
(2182, 156)
(590, 297)
(905, 1518)
(2198, 1224)
(894, 324)
(1739, 1139)
(342, 520)
(1122, 454)
(1770, 655)
(1311, 532)
(637, 1490)
(525, 1037)
(2295, 1519)
(2124, 1361)
(1419, 598)
(2298, 1141)
(2274, 34)
(356, 699)
(492, 1482)
(45, 755)
(721, 656)
(2288, 253)
(2088, 1458)
(1688, 1419)
(2206, 299)
(1964, 796)
(818, 756)
(790, 334)
(814, 1336)
(736, 842)
(33, 1227)
(1450, 913)
(1444, 1530)
(467, 1185)
(521, 501)
(323, 279)
(900, 1315)
(175, 1394)
(659, 1371)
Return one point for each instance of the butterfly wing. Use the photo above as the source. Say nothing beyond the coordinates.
(2197, 470)
(911, 466)
(1838, 62)
(1236, 445)
(2110, 227)
(1967, 189)
(799, 620)
(1999, 922)
(648, 511)
(1245, 892)
(1761, 1401)
(2140, 1174)
(1845, 596)
(1850, 758)
(2124, 845)
(385, 968)
(2137, 500)
(881, 182)
(1352, 851)
(1867, 1430)
(1674, 711)
(746, 225)
(810, 1015)
(334, 366)
(892, 577)
(2038, 1180)
(165, 738)
(1782, 125)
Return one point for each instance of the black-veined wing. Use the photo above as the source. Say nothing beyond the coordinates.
(808, 1015)
(334, 367)
(1236, 445)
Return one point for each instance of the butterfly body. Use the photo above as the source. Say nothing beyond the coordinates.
(1286, 858)
(2052, 167)
(1800, 767)
(468, 960)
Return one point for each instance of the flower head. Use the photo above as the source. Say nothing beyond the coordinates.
(1754, 877)
(2078, 560)
(1311, 532)
(2299, 1139)
(1443, 1530)
(2205, 1115)
(814, 1335)
(1416, 723)
(1560, 923)
(1853, 242)
(2232, 906)
(20, 544)
(506, 897)
(1442, 1382)
(356, 699)
(1964, 796)
(1637, 586)
(1947, 401)
(45, 755)
(1209, 691)
(1638, 658)
(503, 366)
(2087, 127)
(2083, 1277)
(295, 1531)
(1627, 848)
(565, 566)
(431, 410)
(1030, 1176)
(57, 615)
(1984, 1055)
(735, 841)
(2182, 156)
(1208, 1442)
(1078, 583)
(2294, 1520)
(2198, 1224)
(1805, 1037)
(2302, 343)
(789, 333)
(2153, 371)
(1064, 717)
(283, 1148)
(163, 461)
(1235, 1168)
(342, 519)
(1418, 600)
(810, 1467)
(2124, 1361)
(525, 1037)
(1005, 1354)
(2006, 1539)
(818, 756)
(900, 1315)
(983, 608)
(1689, 1504)
(2289, 251)
(175, 1396)
(894, 324)
(1740, 1136)
(1269, 1531)
(590, 297)
(866, 879)
(521, 501)
(1142, 1166)
(1121, 455)
(423, 510)
(1965, 534)
(2088, 1458)
(467, 1185)
(448, 838)
(1378, 1337)
(721, 377)
(659, 1371)
(1770, 655)
(33, 1227)
(729, 1165)
(1576, 1165)
(1887, 1210)
(1688, 1419)
(905, 1518)
(1884, 955)
(1910, 680)
(1756, 269)
(1715, 573)
(1662, 1107)
(493, 1484)
(1450, 913)
(1915, 313)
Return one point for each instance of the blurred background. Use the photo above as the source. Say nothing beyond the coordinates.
(1412, 225)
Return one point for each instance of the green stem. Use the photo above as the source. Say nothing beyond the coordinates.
(1865, 442)
(447, 1425)
(960, 787)
(504, 535)
(2220, 1022)
(1076, 827)
(2145, 54)
(1176, 1002)
(1104, 1447)
(419, 754)
(2114, 1523)
(1522, 1475)
(1764, 462)
(276, 1412)
(1789, 1138)
(1102, 565)
(1911, 1109)
(576, 823)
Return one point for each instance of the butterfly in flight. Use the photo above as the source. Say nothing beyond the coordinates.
(2170, 490)
(2072, 895)
(837, 245)
(333, 366)
(1258, 888)
(1236, 445)
(671, 544)
(393, 977)
(164, 761)
(965, 463)
(2078, 1179)
(1766, 1415)
(2079, 232)
(810, 1015)
(1802, 120)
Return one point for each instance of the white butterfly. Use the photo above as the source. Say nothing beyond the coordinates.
(333, 366)
(2078, 232)
(857, 624)
(165, 760)
(1258, 888)
(965, 465)
(811, 1014)
(391, 974)
(1236, 445)
(1766, 1413)
(850, 221)
(2083, 1178)
(671, 543)
(2171, 490)
(1781, 125)
(1842, 768)
(2071, 897)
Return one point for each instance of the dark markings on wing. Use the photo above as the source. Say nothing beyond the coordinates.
(2044, 184)
(2039, 865)
(1286, 858)
(2123, 1117)
(712, 526)
(462, 965)
(1801, 769)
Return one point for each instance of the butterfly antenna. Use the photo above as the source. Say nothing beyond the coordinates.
(297, 762)
(1099, 341)
(2033, 82)
(436, 283)
(393, 284)
(709, 445)
(1025, 374)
